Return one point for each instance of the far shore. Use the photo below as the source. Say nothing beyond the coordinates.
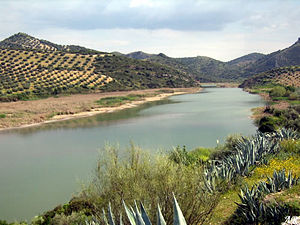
(24, 114)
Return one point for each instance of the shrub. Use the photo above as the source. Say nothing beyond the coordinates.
(2, 115)
(291, 146)
(278, 91)
(150, 180)
(268, 124)
(187, 158)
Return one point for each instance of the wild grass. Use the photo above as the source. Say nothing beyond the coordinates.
(119, 100)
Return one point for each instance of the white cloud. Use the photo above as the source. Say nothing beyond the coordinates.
(218, 29)
(138, 3)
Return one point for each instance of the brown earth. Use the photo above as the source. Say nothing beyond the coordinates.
(28, 113)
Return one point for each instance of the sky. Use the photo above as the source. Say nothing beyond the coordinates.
(221, 29)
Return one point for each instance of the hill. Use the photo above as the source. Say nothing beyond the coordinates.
(24, 74)
(287, 57)
(246, 59)
(30, 70)
(287, 76)
(22, 41)
(207, 69)
(201, 68)
(139, 55)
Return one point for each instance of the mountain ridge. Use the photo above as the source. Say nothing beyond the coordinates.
(31, 68)
(200, 68)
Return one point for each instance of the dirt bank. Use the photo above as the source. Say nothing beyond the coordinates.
(31, 113)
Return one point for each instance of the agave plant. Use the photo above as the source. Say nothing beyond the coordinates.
(138, 216)
(250, 152)
(251, 206)
(287, 134)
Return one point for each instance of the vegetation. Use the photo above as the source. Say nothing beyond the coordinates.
(285, 76)
(206, 69)
(119, 100)
(277, 118)
(22, 41)
(28, 74)
(151, 180)
(139, 216)
(202, 181)
(131, 74)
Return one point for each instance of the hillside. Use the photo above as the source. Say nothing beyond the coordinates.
(45, 70)
(139, 55)
(203, 69)
(22, 41)
(246, 59)
(26, 73)
(287, 57)
(287, 76)
(207, 69)
(131, 73)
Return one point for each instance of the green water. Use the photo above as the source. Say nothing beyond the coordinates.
(42, 167)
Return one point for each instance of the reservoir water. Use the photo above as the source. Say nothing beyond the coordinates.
(41, 167)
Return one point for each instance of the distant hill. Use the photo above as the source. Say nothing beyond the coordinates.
(246, 59)
(139, 55)
(207, 69)
(282, 58)
(34, 67)
(287, 76)
(22, 41)
(203, 69)
(30, 70)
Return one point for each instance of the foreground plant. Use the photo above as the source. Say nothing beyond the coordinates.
(250, 152)
(253, 209)
(138, 216)
(151, 180)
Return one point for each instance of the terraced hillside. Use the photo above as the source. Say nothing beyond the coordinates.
(287, 76)
(31, 68)
(29, 73)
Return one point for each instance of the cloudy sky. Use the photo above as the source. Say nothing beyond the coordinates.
(222, 29)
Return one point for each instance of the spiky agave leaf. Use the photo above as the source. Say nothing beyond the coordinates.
(160, 217)
(178, 216)
(145, 215)
(138, 217)
(130, 215)
(104, 217)
(111, 220)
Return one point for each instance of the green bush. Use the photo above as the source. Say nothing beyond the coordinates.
(187, 158)
(278, 91)
(118, 100)
(151, 180)
(229, 147)
(290, 146)
(268, 124)
(2, 115)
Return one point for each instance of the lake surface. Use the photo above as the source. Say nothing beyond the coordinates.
(43, 166)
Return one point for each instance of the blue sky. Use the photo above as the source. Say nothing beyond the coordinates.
(222, 29)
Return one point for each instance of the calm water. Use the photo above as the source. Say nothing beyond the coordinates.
(42, 167)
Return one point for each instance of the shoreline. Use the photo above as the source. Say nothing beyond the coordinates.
(103, 110)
